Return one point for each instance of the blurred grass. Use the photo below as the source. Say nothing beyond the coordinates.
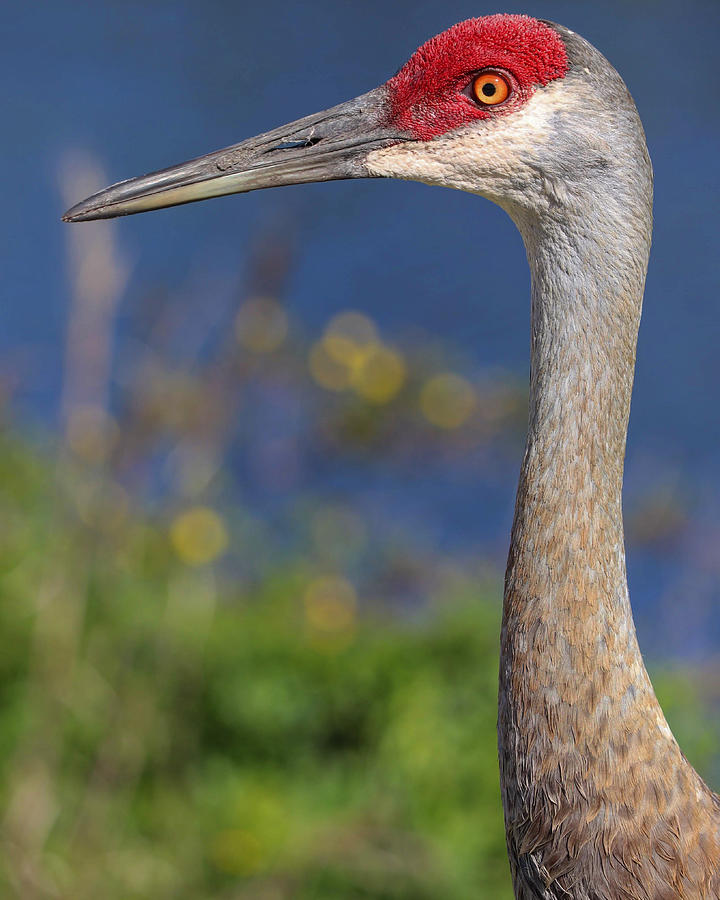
(207, 693)
(166, 734)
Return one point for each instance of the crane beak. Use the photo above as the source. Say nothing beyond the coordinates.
(322, 147)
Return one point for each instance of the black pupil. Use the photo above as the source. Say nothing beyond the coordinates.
(489, 89)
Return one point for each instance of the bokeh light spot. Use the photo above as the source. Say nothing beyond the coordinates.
(198, 536)
(380, 376)
(327, 371)
(261, 325)
(330, 604)
(350, 355)
(353, 326)
(447, 400)
(344, 350)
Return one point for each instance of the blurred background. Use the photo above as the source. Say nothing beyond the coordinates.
(258, 460)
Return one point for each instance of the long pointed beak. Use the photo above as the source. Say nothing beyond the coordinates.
(325, 146)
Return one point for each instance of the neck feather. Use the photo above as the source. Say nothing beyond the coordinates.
(587, 760)
(566, 570)
(569, 652)
(571, 670)
(567, 552)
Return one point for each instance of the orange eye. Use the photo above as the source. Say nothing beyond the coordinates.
(491, 88)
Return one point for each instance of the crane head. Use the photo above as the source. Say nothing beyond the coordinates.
(495, 105)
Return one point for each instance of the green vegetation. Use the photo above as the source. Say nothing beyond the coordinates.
(294, 698)
(165, 734)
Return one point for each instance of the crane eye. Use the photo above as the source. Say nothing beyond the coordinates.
(491, 88)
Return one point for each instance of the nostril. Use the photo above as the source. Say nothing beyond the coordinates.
(295, 145)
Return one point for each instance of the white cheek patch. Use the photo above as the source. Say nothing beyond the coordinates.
(494, 157)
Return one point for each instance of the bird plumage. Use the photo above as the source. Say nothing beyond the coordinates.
(600, 803)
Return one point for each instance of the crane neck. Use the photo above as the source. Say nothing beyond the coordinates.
(589, 769)
(569, 661)
(588, 262)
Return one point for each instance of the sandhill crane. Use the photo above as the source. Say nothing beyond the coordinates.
(600, 803)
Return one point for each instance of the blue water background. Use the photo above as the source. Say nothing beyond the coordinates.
(143, 85)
